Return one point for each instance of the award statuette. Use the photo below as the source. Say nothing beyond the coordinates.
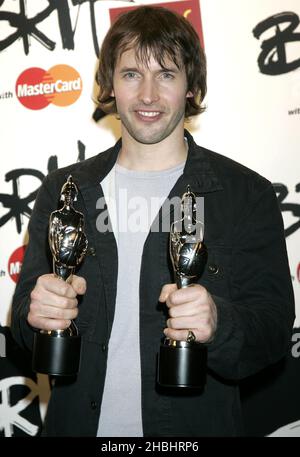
(183, 363)
(57, 352)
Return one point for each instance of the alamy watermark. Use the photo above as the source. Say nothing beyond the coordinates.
(138, 214)
(2, 345)
(296, 347)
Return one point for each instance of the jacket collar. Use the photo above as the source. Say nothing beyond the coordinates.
(92, 171)
(199, 169)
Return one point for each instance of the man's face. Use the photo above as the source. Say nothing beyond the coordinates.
(150, 99)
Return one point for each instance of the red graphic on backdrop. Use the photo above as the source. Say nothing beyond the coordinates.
(190, 9)
(37, 88)
(15, 263)
(298, 272)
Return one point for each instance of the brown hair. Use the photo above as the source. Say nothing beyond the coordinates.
(158, 32)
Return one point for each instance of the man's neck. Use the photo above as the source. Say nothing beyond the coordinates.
(152, 157)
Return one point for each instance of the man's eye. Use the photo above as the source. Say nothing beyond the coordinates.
(167, 76)
(130, 75)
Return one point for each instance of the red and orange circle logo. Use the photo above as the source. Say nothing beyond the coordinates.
(37, 88)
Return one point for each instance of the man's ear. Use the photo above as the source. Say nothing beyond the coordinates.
(189, 94)
(112, 94)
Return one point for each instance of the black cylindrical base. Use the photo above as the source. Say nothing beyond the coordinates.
(56, 356)
(182, 366)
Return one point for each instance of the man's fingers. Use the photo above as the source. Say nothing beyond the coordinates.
(190, 308)
(191, 294)
(178, 335)
(53, 284)
(48, 324)
(184, 322)
(47, 298)
(57, 286)
(52, 312)
(187, 309)
(53, 302)
(203, 334)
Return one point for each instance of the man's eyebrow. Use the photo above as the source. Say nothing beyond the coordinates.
(160, 70)
(170, 70)
(128, 69)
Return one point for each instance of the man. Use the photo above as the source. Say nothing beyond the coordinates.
(152, 72)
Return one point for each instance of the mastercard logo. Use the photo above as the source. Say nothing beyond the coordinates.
(37, 88)
(15, 263)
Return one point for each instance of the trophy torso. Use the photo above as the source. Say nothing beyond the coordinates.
(66, 238)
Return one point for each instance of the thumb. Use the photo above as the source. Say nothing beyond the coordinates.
(165, 292)
(79, 284)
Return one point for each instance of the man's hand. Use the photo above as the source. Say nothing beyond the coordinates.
(190, 308)
(53, 302)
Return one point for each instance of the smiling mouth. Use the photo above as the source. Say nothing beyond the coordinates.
(148, 113)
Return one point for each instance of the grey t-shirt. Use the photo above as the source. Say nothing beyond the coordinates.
(139, 196)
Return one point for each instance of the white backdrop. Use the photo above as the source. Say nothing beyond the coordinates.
(251, 116)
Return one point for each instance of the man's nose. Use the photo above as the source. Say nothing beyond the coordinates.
(148, 93)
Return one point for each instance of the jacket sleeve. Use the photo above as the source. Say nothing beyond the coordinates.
(37, 261)
(255, 325)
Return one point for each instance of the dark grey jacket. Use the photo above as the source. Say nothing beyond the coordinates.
(247, 273)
